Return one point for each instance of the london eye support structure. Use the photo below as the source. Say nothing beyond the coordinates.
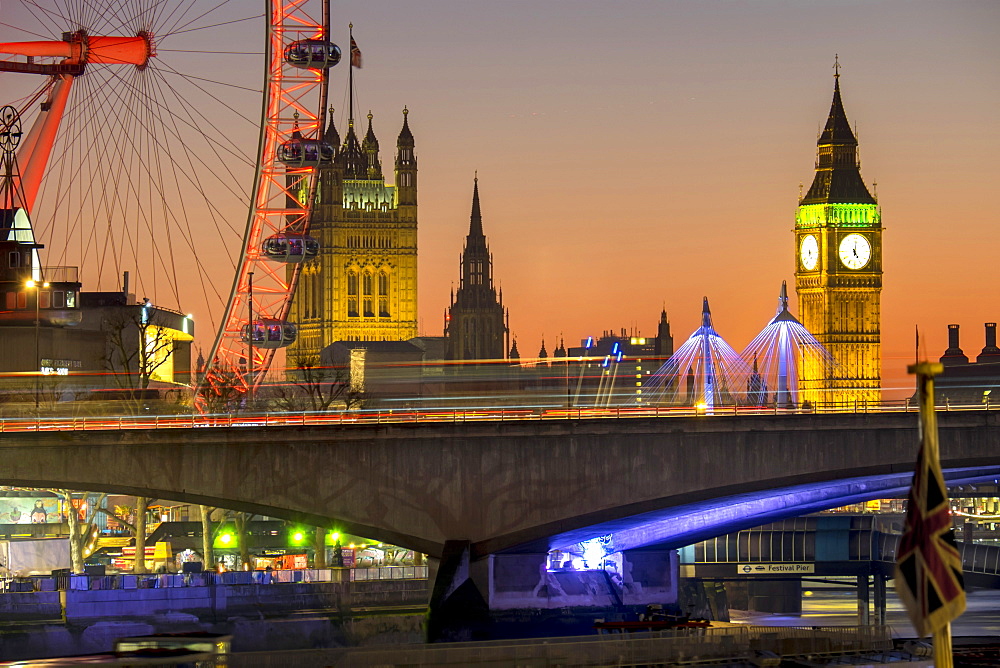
(252, 323)
(299, 56)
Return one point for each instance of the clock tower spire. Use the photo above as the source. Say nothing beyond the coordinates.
(838, 277)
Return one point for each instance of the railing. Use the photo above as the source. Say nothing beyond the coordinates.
(777, 544)
(370, 417)
(178, 580)
(718, 645)
(61, 274)
(389, 573)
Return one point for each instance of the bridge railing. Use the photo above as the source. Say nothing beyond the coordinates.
(738, 644)
(367, 417)
(178, 580)
(781, 543)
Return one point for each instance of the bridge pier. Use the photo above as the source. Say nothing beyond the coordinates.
(469, 593)
(864, 601)
(880, 599)
(458, 610)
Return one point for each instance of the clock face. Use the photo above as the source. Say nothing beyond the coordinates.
(855, 251)
(809, 252)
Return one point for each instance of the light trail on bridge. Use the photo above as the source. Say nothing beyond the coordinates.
(376, 417)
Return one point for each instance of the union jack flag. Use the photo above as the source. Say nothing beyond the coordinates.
(355, 54)
(928, 564)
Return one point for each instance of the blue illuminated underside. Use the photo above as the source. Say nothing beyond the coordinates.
(682, 525)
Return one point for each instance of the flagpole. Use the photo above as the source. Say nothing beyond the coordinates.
(927, 547)
(928, 425)
(942, 647)
(350, 82)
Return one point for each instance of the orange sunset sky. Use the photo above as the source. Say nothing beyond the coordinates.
(643, 154)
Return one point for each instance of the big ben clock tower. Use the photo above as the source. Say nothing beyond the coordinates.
(838, 277)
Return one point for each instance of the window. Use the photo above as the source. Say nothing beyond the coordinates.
(352, 294)
(15, 259)
(11, 300)
(22, 299)
(303, 292)
(70, 299)
(317, 305)
(383, 294)
(58, 299)
(45, 299)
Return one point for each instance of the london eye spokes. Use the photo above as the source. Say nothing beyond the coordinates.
(158, 147)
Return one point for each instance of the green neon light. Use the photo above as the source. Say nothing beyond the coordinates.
(224, 540)
(838, 215)
(368, 195)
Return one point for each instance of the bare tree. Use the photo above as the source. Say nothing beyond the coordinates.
(314, 387)
(242, 522)
(79, 531)
(137, 346)
(141, 506)
(319, 548)
(222, 390)
(138, 529)
(206, 537)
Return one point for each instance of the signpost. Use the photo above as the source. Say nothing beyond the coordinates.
(775, 569)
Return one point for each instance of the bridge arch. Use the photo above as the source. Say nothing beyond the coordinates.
(514, 485)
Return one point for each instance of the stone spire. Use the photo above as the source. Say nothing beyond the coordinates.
(331, 136)
(405, 136)
(369, 147)
(664, 339)
(838, 171)
(350, 156)
(476, 239)
(406, 167)
(476, 327)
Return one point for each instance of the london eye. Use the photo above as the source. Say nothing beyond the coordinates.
(144, 116)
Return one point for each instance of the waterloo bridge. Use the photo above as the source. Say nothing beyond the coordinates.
(516, 485)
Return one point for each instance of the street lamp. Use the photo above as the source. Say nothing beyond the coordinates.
(250, 341)
(38, 359)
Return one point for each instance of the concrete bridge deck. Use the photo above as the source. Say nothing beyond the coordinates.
(501, 485)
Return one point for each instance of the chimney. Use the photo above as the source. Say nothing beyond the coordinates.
(990, 352)
(954, 354)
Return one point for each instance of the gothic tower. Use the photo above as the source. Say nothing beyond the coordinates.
(363, 284)
(663, 345)
(475, 326)
(838, 277)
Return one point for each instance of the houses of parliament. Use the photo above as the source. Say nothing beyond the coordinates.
(363, 284)
(361, 290)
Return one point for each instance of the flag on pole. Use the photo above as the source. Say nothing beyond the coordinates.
(928, 564)
(355, 54)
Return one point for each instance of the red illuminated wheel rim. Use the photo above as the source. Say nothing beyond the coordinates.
(164, 161)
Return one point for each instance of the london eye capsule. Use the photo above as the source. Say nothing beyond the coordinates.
(312, 54)
(269, 333)
(285, 247)
(301, 152)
